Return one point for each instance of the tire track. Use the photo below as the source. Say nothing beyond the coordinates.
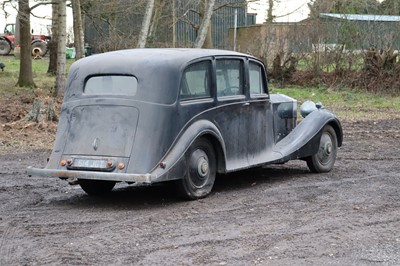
(6, 244)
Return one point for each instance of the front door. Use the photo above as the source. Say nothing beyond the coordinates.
(259, 116)
(232, 110)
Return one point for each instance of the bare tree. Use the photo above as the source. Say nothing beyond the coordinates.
(343, 6)
(144, 32)
(208, 42)
(78, 29)
(23, 40)
(53, 43)
(204, 26)
(61, 58)
(159, 6)
(270, 16)
(390, 7)
(25, 69)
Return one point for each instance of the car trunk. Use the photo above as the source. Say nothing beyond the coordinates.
(101, 130)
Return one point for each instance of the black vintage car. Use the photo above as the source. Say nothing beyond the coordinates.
(144, 116)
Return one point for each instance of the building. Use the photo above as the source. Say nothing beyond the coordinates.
(362, 31)
(327, 33)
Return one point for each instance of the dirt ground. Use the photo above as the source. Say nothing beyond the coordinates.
(279, 215)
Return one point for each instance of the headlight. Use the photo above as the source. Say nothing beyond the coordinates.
(307, 107)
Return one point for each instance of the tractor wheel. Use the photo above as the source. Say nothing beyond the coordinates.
(39, 49)
(5, 47)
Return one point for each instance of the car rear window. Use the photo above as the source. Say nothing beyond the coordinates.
(112, 85)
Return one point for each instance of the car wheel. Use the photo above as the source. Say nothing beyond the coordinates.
(325, 158)
(96, 187)
(39, 49)
(200, 170)
(5, 47)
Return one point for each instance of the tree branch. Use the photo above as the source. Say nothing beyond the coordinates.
(41, 4)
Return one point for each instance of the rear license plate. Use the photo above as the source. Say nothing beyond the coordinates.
(88, 163)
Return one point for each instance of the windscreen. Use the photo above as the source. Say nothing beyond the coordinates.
(111, 85)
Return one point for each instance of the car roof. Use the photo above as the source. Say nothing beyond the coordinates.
(147, 55)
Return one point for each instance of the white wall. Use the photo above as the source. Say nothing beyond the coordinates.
(295, 10)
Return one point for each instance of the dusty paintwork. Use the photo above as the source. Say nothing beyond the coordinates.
(180, 114)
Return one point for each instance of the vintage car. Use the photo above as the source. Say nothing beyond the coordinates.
(144, 116)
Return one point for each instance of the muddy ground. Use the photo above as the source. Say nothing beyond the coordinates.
(279, 215)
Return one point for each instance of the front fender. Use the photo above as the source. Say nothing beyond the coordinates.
(173, 165)
(303, 141)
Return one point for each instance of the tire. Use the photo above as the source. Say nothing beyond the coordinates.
(96, 187)
(325, 158)
(39, 49)
(200, 171)
(5, 47)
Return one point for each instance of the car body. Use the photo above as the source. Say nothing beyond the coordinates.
(145, 116)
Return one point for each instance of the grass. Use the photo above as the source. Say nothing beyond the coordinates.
(9, 77)
(347, 104)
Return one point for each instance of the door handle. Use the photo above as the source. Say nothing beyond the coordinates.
(246, 104)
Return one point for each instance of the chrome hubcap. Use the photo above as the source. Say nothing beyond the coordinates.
(202, 167)
(326, 149)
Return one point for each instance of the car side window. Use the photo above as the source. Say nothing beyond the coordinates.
(256, 79)
(196, 81)
(229, 75)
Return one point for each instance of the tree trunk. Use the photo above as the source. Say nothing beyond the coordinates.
(159, 6)
(42, 111)
(173, 24)
(61, 58)
(78, 29)
(205, 23)
(270, 16)
(146, 24)
(208, 42)
(25, 69)
(53, 44)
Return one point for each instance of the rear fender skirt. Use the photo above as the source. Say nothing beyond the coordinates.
(172, 166)
(304, 140)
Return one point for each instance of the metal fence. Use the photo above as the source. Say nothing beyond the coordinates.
(117, 25)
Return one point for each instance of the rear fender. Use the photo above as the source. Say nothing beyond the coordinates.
(304, 140)
(173, 165)
(38, 40)
(11, 42)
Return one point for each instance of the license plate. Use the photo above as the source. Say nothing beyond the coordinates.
(88, 163)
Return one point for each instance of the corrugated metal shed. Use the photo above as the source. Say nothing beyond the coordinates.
(361, 31)
(358, 17)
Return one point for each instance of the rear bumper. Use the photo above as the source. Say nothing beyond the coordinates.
(135, 178)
